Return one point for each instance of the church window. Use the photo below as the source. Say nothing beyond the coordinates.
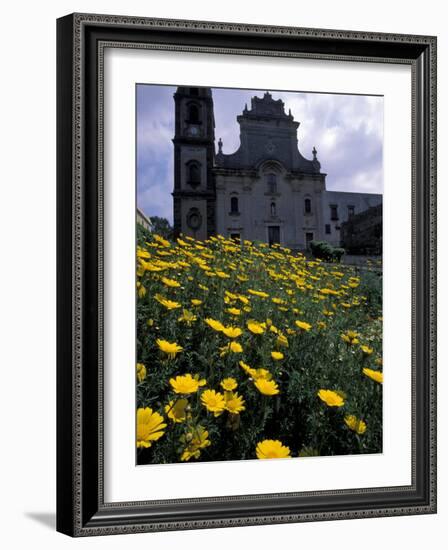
(328, 229)
(334, 212)
(307, 206)
(194, 173)
(272, 183)
(193, 114)
(234, 209)
(273, 209)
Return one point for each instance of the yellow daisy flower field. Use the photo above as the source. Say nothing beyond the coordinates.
(246, 351)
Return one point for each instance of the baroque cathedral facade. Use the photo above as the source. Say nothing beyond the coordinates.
(265, 191)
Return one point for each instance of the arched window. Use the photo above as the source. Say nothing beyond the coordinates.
(193, 114)
(272, 183)
(307, 206)
(194, 173)
(273, 209)
(234, 209)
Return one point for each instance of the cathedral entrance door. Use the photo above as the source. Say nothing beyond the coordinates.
(273, 234)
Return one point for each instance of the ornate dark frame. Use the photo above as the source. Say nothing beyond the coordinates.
(81, 39)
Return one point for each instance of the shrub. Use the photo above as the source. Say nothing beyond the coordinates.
(324, 251)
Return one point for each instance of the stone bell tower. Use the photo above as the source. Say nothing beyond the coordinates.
(194, 200)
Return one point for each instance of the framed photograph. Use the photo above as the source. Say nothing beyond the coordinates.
(246, 274)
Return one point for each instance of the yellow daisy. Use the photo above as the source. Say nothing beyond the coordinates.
(170, 348)
(169, 304)
(272, 448)
(366, 350)
(232, 332)
(331, 398)
(229, 384)
(303, 326)
(172, 283)
(234, 403)
(150, 427)
(374, 375)
(176, 410)
(255, 327)
(350, 337)
(213, 401)
(266, 387)
(215, 325)
(141, 372)
(355, 424)
(186, 384)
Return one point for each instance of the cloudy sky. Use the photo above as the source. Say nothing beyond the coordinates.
(346, 130)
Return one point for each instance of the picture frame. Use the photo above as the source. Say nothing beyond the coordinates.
(81, 506)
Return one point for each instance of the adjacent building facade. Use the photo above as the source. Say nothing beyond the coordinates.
(265, 191)
(143, 220)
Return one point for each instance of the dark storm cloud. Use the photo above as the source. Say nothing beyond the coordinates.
(347, 132)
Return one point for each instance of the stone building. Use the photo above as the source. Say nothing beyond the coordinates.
(265, 191)
(143, 220)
